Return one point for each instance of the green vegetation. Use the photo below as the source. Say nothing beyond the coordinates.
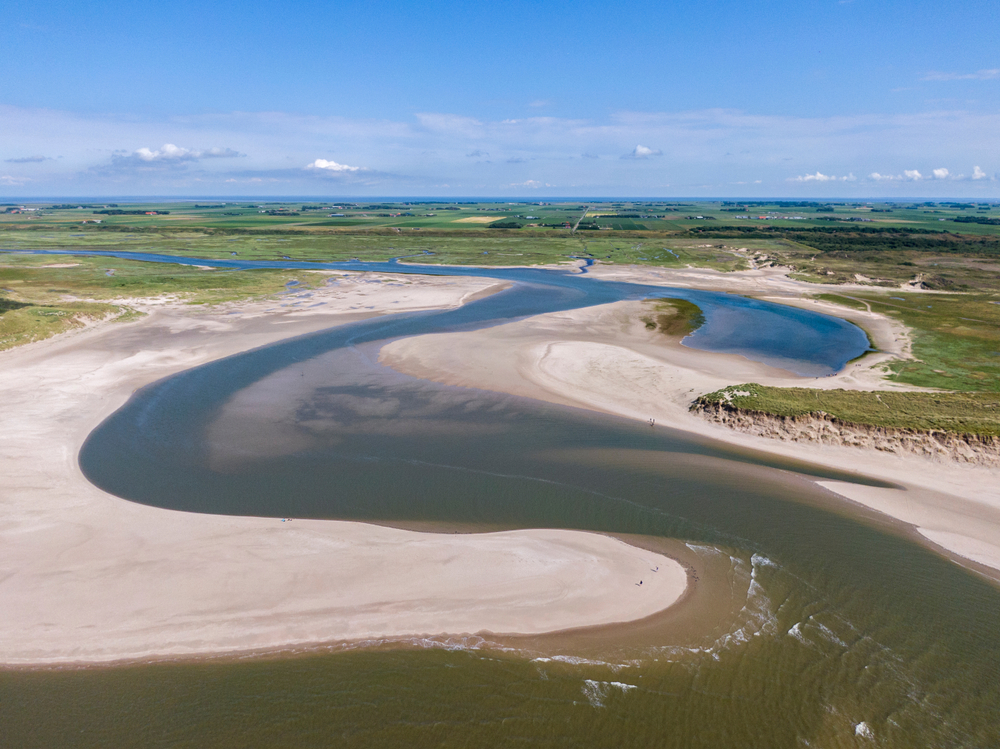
(959, 413)
(24, 322)
(956, 337)
(829, 242)
(673, 317)
(41, 296)
(940, 246)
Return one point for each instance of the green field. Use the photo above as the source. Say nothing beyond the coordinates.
(959, 413)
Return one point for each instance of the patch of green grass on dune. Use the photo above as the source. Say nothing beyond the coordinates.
(673, 317)
(959, 413)
(38, 300)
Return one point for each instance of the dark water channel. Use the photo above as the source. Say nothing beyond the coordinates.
(851, 635)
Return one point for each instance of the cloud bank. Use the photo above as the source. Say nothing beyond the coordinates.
(705, 152)
(915, 175)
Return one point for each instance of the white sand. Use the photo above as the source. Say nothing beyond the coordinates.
(86, 577)
(602, 358)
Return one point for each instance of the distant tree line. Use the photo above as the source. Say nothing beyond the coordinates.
(977, 220)
(123, 212)
(862, 239)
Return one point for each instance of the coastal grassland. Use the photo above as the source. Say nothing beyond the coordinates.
(23, 322)
(673, 317)
(41, 296)
(886, 257)
(886, 244)
(956, 349)
(465, 246)
(956, 337)
(956, 413)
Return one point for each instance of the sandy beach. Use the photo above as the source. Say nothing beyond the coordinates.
(88, 578)
(603, 358)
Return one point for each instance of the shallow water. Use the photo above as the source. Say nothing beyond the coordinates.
(795, 339)
(850, 635)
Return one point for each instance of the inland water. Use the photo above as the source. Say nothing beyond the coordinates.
(838, 630)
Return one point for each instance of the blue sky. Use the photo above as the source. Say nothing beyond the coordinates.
(851, 98)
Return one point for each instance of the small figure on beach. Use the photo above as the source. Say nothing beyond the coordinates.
(652, 422)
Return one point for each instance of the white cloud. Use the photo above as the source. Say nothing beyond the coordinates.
(820, 177)
(332, 166)
(978, 173)
(979, 75)
(642, 152)
(170, 152)
(8, 179)
(914, 175)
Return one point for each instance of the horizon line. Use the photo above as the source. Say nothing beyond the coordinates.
(478, 199)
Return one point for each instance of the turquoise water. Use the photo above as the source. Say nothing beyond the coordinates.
(847, 633)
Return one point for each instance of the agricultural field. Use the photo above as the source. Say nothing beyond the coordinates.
(656, 217)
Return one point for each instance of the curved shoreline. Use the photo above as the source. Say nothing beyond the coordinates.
(89, 578)
(602, 359)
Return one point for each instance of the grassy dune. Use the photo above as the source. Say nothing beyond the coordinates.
(959, 413)
(43, 296)
(956, 337)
